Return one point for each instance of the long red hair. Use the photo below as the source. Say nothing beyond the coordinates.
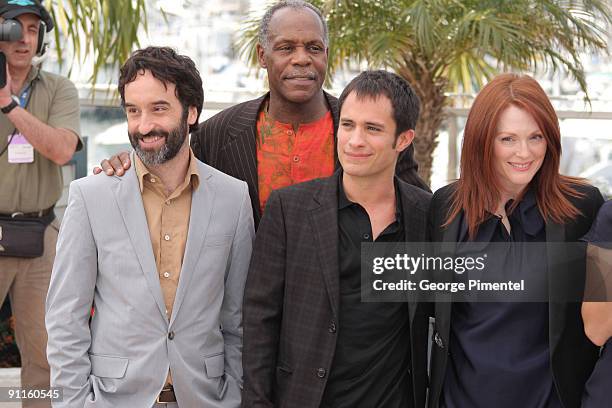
(478, 189)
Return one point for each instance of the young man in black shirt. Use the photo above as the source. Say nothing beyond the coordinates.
(309, 340)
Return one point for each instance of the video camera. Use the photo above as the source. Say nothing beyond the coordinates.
(10, 30)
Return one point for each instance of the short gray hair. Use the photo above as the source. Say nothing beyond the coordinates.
(264, 26)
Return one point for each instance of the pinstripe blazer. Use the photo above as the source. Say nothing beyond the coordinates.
(292, 296)
(227, 142)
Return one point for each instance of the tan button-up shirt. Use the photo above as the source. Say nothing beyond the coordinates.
(168, 220)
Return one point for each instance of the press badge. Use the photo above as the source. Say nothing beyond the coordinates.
(20, 150)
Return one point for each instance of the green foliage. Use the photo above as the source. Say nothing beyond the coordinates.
(104, 29)
(9, 354)
(464, 41)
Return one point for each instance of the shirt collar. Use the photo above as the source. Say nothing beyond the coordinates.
(344, 202)
(192, 176)
(31, 76)
(526, 213)
(33, 72)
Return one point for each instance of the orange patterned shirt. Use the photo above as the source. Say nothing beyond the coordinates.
(285, 157)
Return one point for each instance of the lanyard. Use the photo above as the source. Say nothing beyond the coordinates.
(24, 101)
(24, 98)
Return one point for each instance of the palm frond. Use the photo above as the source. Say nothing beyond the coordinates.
(106, 30)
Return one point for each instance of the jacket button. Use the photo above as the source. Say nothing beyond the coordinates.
(438, 340)
(321, 373)
(171, 335)
(332, 327)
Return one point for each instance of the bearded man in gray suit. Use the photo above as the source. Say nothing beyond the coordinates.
(161, 255)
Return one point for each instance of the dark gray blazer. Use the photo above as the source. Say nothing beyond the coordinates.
(292, 296)
(227, 142)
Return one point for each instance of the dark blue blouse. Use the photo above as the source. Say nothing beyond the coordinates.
(597, 392)
(499, 352)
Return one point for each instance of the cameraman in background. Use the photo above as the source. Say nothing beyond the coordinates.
(39, 132)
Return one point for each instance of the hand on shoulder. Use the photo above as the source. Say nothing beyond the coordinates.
(116, 164)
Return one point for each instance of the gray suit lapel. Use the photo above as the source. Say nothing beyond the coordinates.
(129, 200)
(324, 221)
(202, 202)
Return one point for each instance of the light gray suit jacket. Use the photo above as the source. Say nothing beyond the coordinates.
(105, 259)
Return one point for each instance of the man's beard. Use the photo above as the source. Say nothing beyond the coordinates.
(173, 142)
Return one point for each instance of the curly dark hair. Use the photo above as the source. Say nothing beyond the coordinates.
(168, 67)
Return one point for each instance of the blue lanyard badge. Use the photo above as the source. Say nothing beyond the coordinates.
(23, 98)
(20, 151)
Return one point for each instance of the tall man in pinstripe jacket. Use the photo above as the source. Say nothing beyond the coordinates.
(288, 135)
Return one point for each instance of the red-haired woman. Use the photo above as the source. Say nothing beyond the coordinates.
(597, 314)
(513, 354)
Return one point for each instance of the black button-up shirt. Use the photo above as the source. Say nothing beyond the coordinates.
(371, 366)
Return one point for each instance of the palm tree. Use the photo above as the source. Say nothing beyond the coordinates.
(456, 45)
(106, 29)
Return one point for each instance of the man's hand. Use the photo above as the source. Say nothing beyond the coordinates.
(117, 164)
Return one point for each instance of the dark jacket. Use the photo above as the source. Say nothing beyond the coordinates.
(227, 142)
(572, 355)
(292, 296)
